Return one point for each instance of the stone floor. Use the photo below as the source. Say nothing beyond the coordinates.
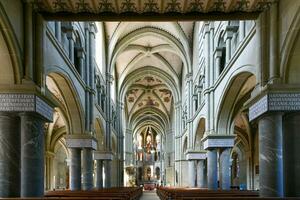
(149, 195)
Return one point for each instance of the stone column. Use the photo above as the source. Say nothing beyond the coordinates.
(108, 173)
(9, 155)
(206, 54)
(75, 143)
(58, 31)
(274, 70)
(195, 99)
(32, 155)
(228, 37)
(91, 67)
(75, 169)
(217, 55)
(199, 95)
(191, 173)
(212, 143)
(87, 169)
(212, 169)
(241, 30)
(270, 155)
(202, 170)
(105, 158)
(80, 55)
(49, 169)
(291, 154)
(28, 42)
(108, 138)
(177, 143)
(99, 174)
(225, 179)
(192, 156)
(70, 36)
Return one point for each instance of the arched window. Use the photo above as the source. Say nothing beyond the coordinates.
(234, 25)
(184, 147)
(78, 55)
(157, 173)
(195, 97)
(222, 48)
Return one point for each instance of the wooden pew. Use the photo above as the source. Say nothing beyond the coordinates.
(167, 193)
(122, 193)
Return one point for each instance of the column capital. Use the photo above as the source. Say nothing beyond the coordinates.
(103, 155)
(70, 35)
(67, 26)
(93, 28)
(229, 32)
(282, 99)
(109, 78)
(195, 95)
(206, 28)
(80, 52)
(49, 154)
(81, 141)
(189, 77)
(120, 104)
(177, 104)
(195, 155)
(218, 141)
(218, 52)
(26, 103)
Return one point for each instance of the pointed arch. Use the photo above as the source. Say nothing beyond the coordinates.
(226, 106)
(71, 99)
(12, 67)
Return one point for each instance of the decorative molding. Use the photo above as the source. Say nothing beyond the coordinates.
(218, 141)
(164, 8)
(103, 155)
(81, 141)
(151, 6)
(195, 155)
(26, 103)
(259, 108)
(275, 101)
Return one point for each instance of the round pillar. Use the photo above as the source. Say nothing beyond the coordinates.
(87, 169)
(291, 155)
(75, 169)
(32, 155)
(191, 172)
(270, 156)
(212, 169)
(225, 169)
(99, 180)
(9, 155)
(202, 174)
(108, 174)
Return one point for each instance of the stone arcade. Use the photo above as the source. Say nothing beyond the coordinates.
(185, 93)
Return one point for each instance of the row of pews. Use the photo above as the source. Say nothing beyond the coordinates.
(173, 193)
(118, 193)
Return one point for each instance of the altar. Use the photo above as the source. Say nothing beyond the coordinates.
(149, 185)
(148, 162)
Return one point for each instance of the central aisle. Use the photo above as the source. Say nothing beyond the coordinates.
(149, 195)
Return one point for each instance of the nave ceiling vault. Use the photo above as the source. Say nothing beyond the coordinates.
(138, 48)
